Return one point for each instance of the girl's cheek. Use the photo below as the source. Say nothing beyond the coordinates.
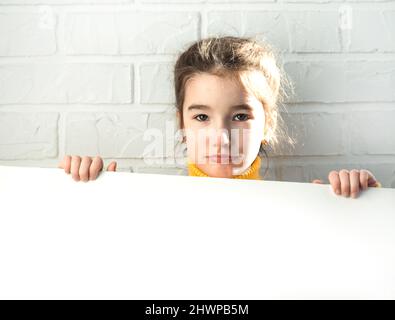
(252, 139)
(195, 144)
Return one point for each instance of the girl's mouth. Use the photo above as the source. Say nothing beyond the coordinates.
(220, 158)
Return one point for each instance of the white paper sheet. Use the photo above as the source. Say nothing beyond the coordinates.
(149, 236)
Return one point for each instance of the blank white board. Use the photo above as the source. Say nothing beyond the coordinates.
(150, 236)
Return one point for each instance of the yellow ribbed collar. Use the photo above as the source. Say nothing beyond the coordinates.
(251, 173)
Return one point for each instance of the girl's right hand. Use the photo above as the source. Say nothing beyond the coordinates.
(85, 168)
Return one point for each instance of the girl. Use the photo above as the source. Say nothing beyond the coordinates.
(228, 92)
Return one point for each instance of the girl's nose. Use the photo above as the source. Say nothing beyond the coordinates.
(222, 137)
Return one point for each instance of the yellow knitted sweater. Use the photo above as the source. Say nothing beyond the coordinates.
(251, 173)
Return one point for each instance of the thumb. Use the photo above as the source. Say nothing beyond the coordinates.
(318, 181)
(372, 181)
(61, 163)
(112, 166)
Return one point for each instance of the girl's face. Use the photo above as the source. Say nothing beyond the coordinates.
(221, 118)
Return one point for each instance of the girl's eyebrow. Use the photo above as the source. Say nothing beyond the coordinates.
(243, 106)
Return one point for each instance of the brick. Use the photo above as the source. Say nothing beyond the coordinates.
(328, 81)
(109, 135)
(313, 31)
(28, 135)
(157, 83)
(203, 1)
(372, 132)
(130, 33)
(372, 31)
(27, 34)
(65, 83)
(315, 134)
(64, 2)
(266, 25)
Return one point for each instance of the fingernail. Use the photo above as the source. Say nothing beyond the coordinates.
(337, 191)
(353, 195)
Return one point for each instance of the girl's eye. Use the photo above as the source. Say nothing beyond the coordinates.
(204, 115)
(244, 117)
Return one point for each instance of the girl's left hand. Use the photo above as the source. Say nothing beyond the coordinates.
(345, 182)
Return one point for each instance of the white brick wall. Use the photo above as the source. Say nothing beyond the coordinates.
(89, 77)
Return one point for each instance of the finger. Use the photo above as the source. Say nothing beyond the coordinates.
(334, 180)
(60, 164)
(354, 182)
(84, 168)
(372, 181)
(96, 167)
(318, 181)
(363, 178)
(112, 166)
(75, 167)
(65, 164)
(344, 176)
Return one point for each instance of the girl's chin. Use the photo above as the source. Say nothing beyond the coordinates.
(227, 162)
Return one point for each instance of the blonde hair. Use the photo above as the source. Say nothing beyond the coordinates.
(245, 60)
